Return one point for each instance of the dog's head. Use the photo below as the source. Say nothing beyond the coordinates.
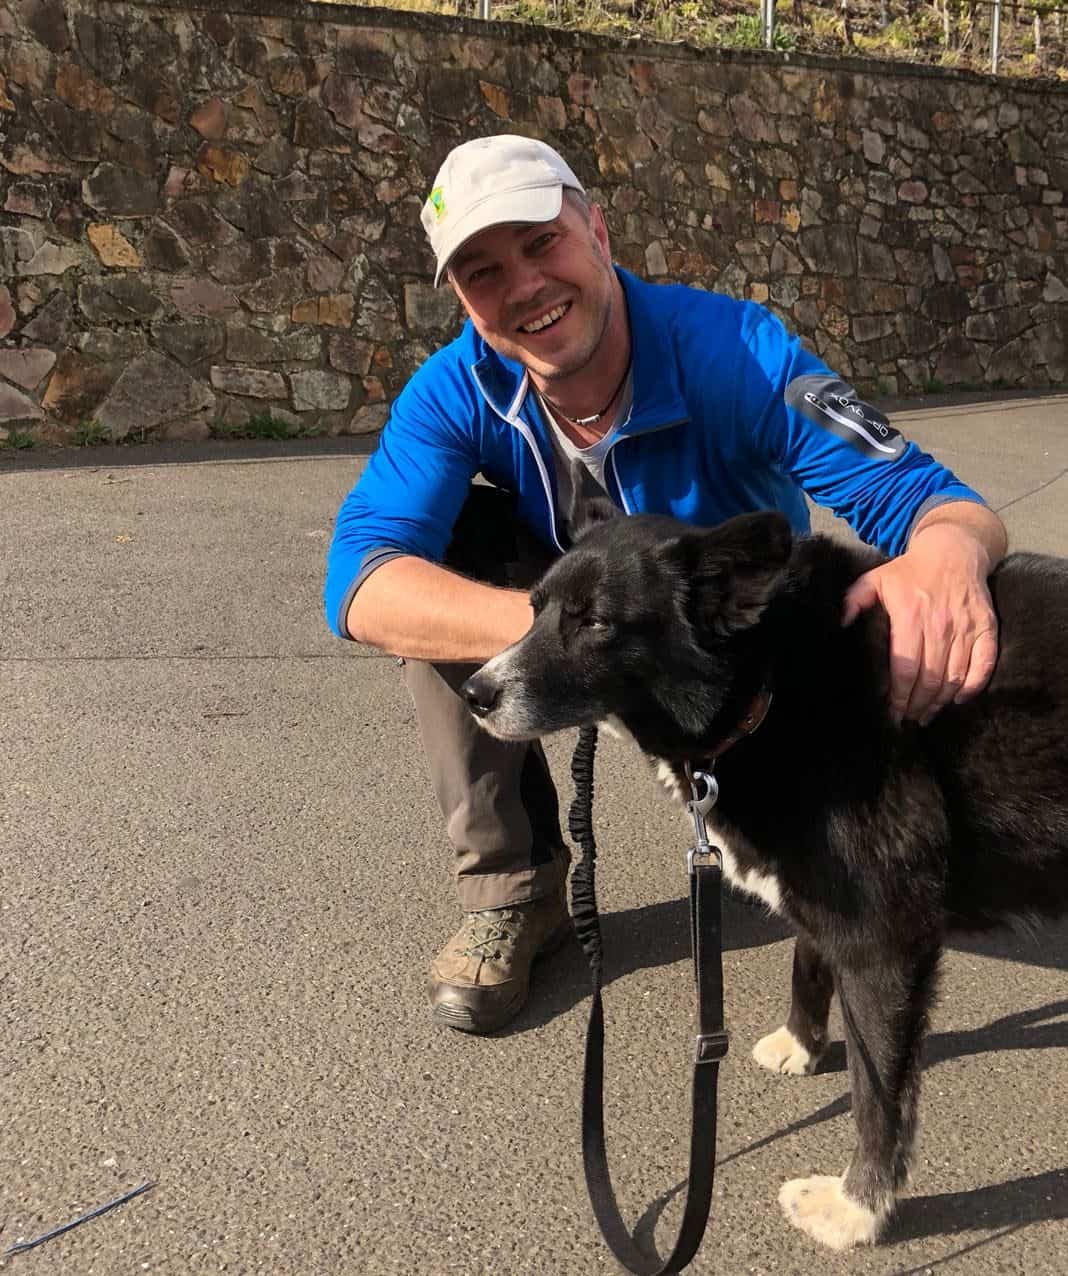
(640, 621)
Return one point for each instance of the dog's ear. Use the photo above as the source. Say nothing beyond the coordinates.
(586, 511)
(730, 572)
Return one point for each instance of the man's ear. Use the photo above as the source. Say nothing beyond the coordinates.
(730, 573)
(586, 512)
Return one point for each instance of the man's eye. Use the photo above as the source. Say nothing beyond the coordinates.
(542, 242)
(480, 275)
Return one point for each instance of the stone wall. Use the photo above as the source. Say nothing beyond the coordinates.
(210, 216)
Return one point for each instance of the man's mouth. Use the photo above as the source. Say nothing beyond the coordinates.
(547, 320)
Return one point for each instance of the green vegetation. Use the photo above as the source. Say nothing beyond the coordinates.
(90, 433)
(939, 32)
(18, 440)
(262, 425)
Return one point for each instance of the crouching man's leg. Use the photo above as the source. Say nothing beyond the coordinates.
(500, 807)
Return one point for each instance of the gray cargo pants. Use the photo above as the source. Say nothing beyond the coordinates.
(500, 806)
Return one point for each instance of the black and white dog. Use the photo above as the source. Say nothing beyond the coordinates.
(873, 839)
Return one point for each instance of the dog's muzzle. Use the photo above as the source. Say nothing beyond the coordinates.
(481, 693)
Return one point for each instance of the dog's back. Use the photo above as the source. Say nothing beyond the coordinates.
(1002, 759)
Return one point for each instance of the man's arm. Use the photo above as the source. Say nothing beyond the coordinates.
(943, 631)
(409, 607)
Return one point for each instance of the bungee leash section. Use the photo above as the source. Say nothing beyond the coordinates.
(705, 864)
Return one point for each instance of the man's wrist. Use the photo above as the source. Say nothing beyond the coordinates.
(977, 525)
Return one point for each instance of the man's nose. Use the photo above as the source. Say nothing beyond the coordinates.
(525, 281)
(480, 692)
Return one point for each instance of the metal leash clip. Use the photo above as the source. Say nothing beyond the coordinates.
(699, 806)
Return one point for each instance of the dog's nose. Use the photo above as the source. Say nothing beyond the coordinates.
(480, 694)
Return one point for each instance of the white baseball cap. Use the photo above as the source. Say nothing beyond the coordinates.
(492, 181)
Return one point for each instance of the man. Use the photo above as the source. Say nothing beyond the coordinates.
(669, 399)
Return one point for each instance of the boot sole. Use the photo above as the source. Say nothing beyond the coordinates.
(463, 1019)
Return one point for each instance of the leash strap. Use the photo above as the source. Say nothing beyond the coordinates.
(711, 1045)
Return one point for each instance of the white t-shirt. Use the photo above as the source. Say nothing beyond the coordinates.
(587, 462)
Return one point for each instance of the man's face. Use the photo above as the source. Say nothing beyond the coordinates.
(541, 294)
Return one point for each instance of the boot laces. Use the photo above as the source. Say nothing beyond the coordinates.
(487, 934)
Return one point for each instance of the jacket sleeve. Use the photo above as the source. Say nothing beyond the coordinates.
(808, 423)
(407, 500)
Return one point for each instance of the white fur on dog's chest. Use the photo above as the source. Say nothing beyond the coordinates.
(765, 886)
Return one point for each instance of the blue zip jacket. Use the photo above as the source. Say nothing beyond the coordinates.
(730, 414)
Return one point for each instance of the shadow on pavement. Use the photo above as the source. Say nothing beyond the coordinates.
(639, 939)
(1015, 1203)
(113, 456)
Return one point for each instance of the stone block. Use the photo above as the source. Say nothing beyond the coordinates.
(254, 383)
(316, 389)
(350, 354)
(47, 21)
(77, 386)
(956, 363)
(151, 392)
(82, 92)
(99, 43)
(197, 222)
(276, 157)
(16, 406)
(49, 260)
(118, 299)
(202, 297)
(118, 191)
(29, 199)
(342, 96)
(109, 345)
(50, 324)
(209, 119)
(242, 262)
(191, 343)
(1054, 288)
(222, 164)
(7, 312)
(829, 250)
(163, 250)
(428, 309)
(248, 345)
(112, 247)
(335, 310)
(275, 293)
(369, 419)
(1011, 364)
(325, 273)
(27, 367)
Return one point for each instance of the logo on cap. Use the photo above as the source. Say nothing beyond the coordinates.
(436, 200)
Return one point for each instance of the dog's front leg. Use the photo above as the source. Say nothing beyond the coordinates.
(885, 1013)
(799, 1044)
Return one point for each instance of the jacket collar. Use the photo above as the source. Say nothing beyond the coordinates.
(658, 399)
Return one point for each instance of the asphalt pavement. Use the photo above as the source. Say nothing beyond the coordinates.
(223, 876)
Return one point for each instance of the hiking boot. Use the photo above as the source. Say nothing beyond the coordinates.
(481, 978)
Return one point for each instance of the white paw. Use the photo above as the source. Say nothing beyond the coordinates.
(780, 1051)
(820, 1207)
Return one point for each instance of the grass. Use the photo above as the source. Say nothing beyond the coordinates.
(90, 433)
(262, 425)
(18, 440)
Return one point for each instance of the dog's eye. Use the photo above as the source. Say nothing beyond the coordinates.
(592, 622)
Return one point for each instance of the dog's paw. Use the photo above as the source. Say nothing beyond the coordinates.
(780, 1051)
(820, 1207)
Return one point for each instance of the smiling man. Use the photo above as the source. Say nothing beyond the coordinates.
(668, 399)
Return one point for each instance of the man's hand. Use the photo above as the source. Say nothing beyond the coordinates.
(943, 631)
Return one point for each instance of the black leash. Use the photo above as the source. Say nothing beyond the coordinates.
(706, 871)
